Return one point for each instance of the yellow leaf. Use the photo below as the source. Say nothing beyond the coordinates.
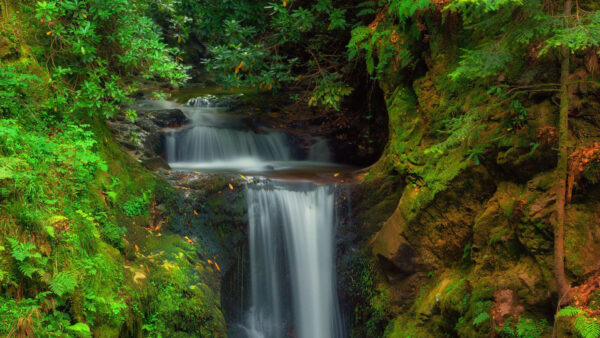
(195, 213)
(49, 32)
(237, 69)
(284, 3)
(230, 186)
(84, 16)
(136, 248)
(217, 266)
(336, 175)
(178, 39)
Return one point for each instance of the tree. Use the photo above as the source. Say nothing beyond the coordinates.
(561, 168)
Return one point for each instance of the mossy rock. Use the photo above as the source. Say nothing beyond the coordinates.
(582, 239)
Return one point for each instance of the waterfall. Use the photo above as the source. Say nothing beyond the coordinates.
(215, 138)
(292, 261)
(207, 144)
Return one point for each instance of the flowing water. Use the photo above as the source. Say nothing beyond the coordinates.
(291, 222)
(291, 230)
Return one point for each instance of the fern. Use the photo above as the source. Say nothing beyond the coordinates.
(80, 330)
(62, 283)
(570, 311)
(367, 8)
(22, 251)
(587, 327)
(482, 317)
(583, 325)
(29, 269)
(405, 9)
(486, 61)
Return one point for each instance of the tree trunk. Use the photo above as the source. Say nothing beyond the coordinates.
(561, 169)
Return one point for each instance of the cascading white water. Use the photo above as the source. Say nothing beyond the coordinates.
(291, 225)
(216, 138)
(207, 144)
(292, 241)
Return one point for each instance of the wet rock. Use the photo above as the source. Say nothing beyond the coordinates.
(144, 139)
(225, 101)
(154, 163)
(170, 118)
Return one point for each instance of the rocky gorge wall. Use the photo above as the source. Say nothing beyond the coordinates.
(456, 219)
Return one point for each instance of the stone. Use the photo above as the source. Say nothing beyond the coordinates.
(506, 304)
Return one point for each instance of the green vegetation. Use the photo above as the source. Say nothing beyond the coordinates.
(493, 157)
(584, 325)
(72, 260)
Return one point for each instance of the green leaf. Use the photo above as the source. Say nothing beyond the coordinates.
(482, 317)
(50, 230)
(569, 311)
(63, 282)
(80, 330)
(587, 327)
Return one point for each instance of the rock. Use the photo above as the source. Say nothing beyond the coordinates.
(144, 139)
(226, 101)
(506, 304)
(167, 118)
(155, 163)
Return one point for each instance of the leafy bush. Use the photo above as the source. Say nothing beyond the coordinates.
(93, 44)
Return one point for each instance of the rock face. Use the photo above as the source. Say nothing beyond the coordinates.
(144, 139)
(466, 248)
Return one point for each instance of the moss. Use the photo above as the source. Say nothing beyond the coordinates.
(581, 242)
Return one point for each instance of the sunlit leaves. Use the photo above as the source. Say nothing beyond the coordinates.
(578, 37)
(90, 37)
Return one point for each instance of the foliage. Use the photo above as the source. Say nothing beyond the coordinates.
(269, 45)
(584, 325)
(65, 188)
(519, 114)
(94, 44)
(329, 92)
(524, 328)
(137, 206)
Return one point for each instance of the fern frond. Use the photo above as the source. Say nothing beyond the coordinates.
(29, 269)
(569, 311)
(587, 327)
(63, 282)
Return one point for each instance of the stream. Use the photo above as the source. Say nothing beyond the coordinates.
(291, 216)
